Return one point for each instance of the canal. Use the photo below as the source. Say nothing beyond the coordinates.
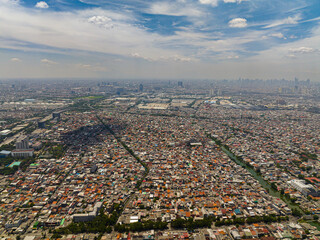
(266, 185)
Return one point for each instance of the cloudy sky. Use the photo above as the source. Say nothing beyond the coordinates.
(165, 39)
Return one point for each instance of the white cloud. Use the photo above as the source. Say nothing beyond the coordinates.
(15, 59)
(174, 58)
(274, 35)
(181, 59)
(47, 61)
(288, 20)
(92, 67)
(312, 19)
(292, 56)
(137, 55)
(73, 31)
(234, 1)
(303, 50)
(278, 35)
(102, 21)
(233, 57)
(238, 23)
(174, 9)
(10, 2)
(209, 2)
(78, 32)
(42, 4)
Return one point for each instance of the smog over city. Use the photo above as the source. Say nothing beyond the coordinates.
(181, 119)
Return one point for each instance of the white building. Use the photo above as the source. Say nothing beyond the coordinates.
(23, 153)
(301, 186)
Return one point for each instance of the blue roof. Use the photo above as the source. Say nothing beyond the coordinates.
(5, 152)
(237, 211)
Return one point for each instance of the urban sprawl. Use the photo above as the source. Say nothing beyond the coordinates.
(159, 159)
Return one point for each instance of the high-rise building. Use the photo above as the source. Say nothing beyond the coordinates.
(22, 148)
(180, 84)
(141, 87)
(308, 82)
(56, 115)
(41, 124)
(212, 92)
(22, 143)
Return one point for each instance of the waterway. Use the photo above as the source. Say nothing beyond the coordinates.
(315, 224)
(263, 182)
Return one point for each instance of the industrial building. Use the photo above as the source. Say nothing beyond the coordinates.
(88, 216)
(305, 189)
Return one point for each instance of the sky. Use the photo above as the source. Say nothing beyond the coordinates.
(175, 39)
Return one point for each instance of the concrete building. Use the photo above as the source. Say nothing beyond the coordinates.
(22, 148)
(23, 153)
(93, 169)
(56, 115)
(41, 124)
(88, 216)
(22, 142)
(301, 186)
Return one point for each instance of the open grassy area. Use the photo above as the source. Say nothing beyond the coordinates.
(90, 97)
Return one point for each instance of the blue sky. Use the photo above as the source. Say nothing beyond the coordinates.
(191, 39)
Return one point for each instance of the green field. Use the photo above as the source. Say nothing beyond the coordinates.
(90, 97)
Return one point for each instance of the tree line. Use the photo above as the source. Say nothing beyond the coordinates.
(141, 226)
(101, 224)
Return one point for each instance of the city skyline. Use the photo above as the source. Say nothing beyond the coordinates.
(204, 39)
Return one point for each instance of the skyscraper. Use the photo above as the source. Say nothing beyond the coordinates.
(141, 87)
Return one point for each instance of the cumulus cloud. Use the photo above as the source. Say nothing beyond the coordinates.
(138, 55)
(47, 61)
(209, 2)
(58, 30)
(288, 20)
(303, 50)
(274, 35)
(278, 35)
(233, 1)
(42, 4)
(238, 23)
(15, 59)
(102, 21)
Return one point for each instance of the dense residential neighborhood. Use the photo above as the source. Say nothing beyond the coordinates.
(181, 163)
